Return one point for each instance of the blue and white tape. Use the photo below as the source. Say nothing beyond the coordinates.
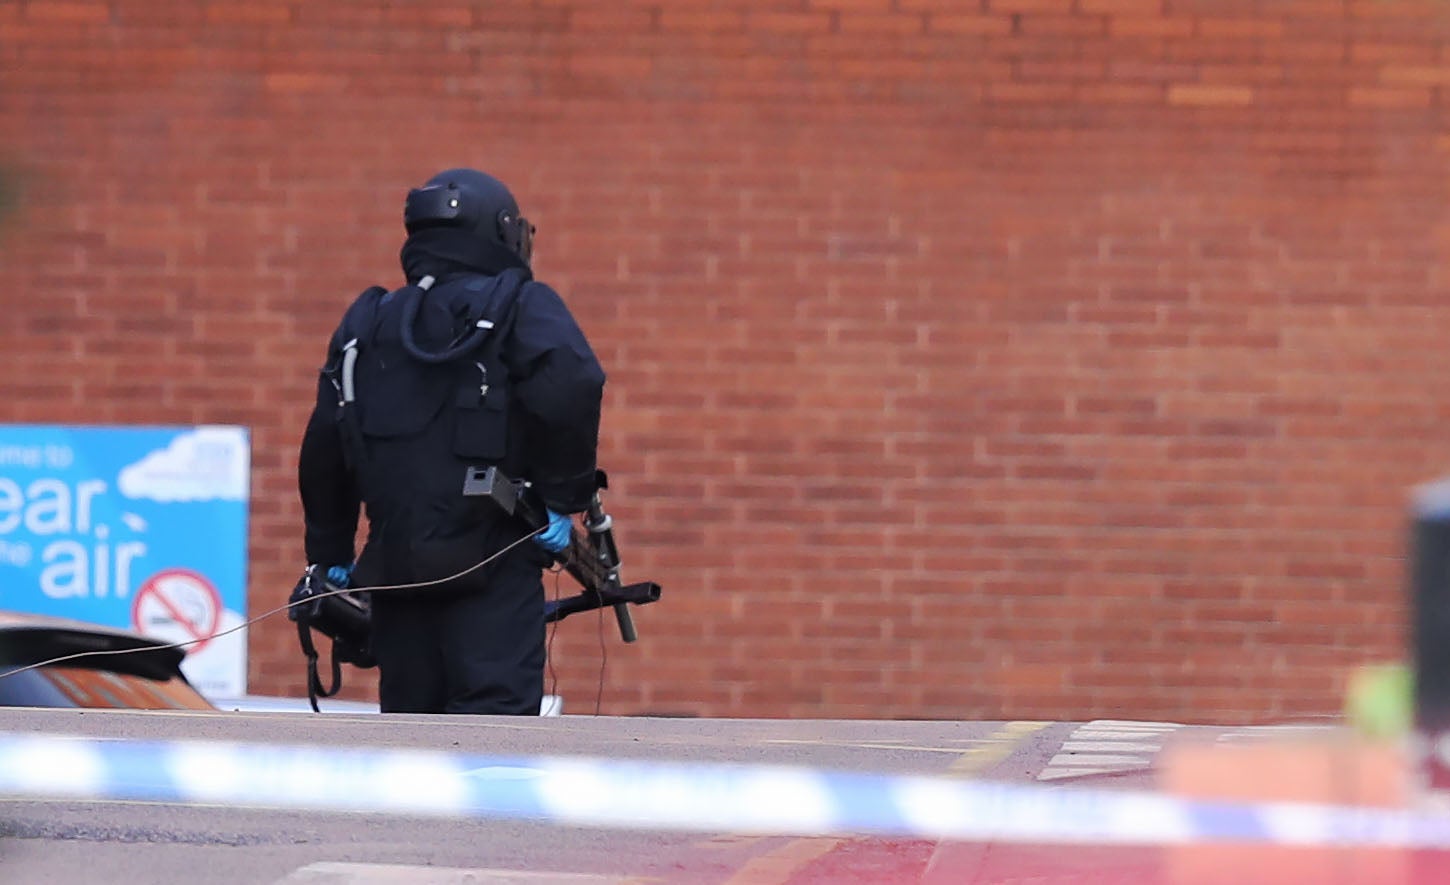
(671, 796)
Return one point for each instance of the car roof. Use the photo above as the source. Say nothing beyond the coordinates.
(27, 639)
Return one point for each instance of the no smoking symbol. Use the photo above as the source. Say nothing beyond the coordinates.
(177, 606)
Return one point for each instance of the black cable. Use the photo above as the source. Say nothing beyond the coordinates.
(549, 643)
(603, 659)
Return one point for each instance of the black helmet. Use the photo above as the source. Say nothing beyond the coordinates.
(473, 201)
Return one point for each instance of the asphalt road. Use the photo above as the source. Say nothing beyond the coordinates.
(69, 841)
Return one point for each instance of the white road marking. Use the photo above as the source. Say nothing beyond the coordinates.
(883, 745)
(1056, 773)
(337, 873)
(1108, 746)
(1130, 723)
(1100, 759)
(1265, 732)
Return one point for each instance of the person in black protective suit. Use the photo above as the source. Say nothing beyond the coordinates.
(472, 363)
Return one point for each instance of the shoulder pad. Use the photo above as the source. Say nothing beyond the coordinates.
(357, 319)
(493, 298)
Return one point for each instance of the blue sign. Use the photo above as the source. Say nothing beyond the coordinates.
(143, 528)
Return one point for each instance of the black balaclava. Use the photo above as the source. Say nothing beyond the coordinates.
(443, 252)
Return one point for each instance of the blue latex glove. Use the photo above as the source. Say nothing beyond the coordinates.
(340, 576)
(555, 536)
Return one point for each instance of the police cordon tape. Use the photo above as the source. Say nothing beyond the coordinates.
(708, 797)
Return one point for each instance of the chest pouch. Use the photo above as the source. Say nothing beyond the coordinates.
(482, 401)
(481, 407)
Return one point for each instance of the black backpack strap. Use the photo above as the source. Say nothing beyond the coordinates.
(357, 325)
(314, 682)
(500, 318)
(480, 371)
(354, 332)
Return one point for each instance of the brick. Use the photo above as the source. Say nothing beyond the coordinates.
(612, 18)
(1210, 96)
(428, 15)
(856, 6)
(299, 83)
(1415, 75)
(1086, 71)
(1029, 93)
(1036, 27)
(1030, 6)
(673, 19)
(881, 25)
(1156, 28)
(1128, 70)
(1136, 8)
(369, 13)
(1403, 53)
(1396, 98)
(1120, 93)
(788, 22)
(968, 24)
(1241, 28)
(72, 12)
(228, 12)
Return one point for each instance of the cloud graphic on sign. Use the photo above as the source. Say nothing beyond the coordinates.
(206, 464)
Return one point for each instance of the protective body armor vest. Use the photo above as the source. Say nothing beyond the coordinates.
(423, 394)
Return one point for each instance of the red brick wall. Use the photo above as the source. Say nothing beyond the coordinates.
(1012, 358)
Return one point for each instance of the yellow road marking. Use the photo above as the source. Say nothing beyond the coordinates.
(998, 746)
(776, 867)
(729, 841)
